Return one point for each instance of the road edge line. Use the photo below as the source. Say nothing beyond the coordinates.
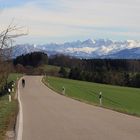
(20, 116)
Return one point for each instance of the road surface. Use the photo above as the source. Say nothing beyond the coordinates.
(50, 116)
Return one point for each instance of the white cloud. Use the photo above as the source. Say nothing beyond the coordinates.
(68, 18)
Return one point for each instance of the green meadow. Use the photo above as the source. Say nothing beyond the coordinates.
(122, 99)
(52, 70)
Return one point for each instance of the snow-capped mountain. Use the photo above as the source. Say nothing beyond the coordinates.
(86, 49)
(23, 49)
(133, 53)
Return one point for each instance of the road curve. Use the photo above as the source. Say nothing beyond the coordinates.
(50, 116)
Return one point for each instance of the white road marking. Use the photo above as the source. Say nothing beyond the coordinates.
(20, 123)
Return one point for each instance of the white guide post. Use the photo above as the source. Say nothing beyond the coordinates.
(13, 88)
(100, 98)
(10, 99)
(63, 90)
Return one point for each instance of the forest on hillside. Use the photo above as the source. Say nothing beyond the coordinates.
(121, 72)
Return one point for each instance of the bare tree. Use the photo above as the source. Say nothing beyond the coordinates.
(7, 37)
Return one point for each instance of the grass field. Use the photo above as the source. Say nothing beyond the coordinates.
(7, 110)
(52, 70)
(121, 99)
(13, 77)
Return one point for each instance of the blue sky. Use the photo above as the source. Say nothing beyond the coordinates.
(68, 20)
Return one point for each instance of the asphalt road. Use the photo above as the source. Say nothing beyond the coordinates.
(50, 116)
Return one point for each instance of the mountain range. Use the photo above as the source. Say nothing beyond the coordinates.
(101, 48)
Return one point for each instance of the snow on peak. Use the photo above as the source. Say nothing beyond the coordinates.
(82, 49)
(133, 44)
(35, 45)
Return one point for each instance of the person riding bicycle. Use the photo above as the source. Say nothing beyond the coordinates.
(23, 82)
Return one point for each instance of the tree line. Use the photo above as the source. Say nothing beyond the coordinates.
(108, 71)
(32, 59)
(121, 72)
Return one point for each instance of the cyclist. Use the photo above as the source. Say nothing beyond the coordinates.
(23, 82)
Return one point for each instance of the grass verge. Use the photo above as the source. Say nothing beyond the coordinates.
(8, 110)
(122, 99)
